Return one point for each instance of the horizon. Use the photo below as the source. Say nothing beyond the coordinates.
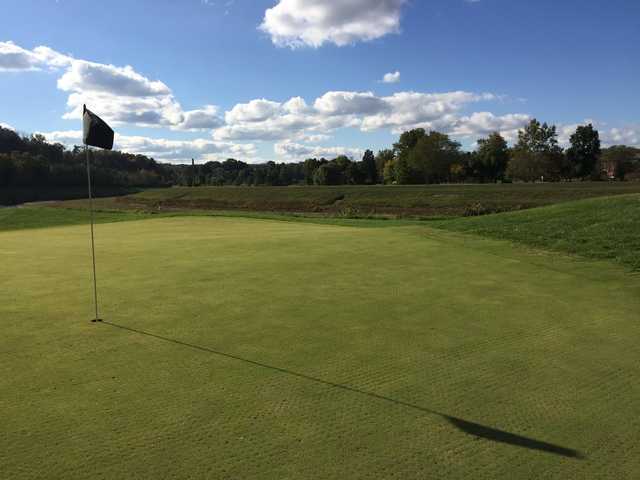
(353, 79)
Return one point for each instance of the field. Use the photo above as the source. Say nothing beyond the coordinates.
(259, 348)
(353, 201)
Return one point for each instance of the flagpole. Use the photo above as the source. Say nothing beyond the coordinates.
(93, 246)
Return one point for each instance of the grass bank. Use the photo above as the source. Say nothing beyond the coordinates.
(423, 201)
(602, 228)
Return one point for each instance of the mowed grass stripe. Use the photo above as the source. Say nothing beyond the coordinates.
(548, 354)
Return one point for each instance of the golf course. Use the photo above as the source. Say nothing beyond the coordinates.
(238, 346)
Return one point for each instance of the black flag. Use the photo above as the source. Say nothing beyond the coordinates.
(95, 131)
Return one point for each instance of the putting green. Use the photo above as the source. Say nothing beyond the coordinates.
(238, 348)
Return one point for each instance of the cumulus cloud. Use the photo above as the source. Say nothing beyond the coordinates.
(350, 103)
(622, 135)
(294, 119)
(296, 151)
(629, 135)
(391, 77)
(484, 123)
(176, 151)
(15, 59)
(121, 95)
(312, 23)
(254, 111)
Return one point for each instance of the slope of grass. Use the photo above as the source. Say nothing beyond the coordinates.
(242, 348)
(42, 217)
(419, 201)
(604, 228)
(19, 195)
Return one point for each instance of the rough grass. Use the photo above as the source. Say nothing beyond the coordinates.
(416, 201)
(245, 348)
(604, 228)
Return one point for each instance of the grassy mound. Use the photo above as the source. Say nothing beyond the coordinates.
(415, 201)
(602, 228)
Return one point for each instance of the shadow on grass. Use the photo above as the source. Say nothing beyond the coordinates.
(470, 428)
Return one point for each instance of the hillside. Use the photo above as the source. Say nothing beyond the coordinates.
(425, 201)
(602, 228)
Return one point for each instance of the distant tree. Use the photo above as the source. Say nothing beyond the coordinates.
(402, 171)
(408, 140)
(7, 169)
(310, 167)
(620, 161)
(430, 160)
(537, 154)
(382, 158)
(369, 170)
(533, 166)
(536, 137)
(584, 151)
(492, 157)
(328, 174)
(457, 172)
(272, 174)
(10, 141)
(389, 171)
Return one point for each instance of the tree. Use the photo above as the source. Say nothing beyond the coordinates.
(492, 157)
(430, 160)
(328, 174)
(534, 166)
(537, 154)
(536, 137)
(309, 168)
(389, 171)
(619, 161)
(408, 140)
(584, 151)
(10, 141)
(382, 158)
(369, 170)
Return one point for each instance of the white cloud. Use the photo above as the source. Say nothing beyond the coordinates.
(263, 119)
(7, 126)
(15, 59)
(120, 95)
(254, 111)
(350, 103)
(391, 77)
(628, 135)
(297, 152)
(298, 23)
(176, 151)
(484, 123)
(205, 118)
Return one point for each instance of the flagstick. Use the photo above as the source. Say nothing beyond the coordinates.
(93, 246)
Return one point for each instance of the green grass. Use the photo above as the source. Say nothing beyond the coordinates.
(19, 195)
(415, 201)
(264, 349)
(39, 217)
(603, 228)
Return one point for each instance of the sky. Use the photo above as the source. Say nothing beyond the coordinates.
(284, 80)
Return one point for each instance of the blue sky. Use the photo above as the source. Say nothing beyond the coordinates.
(286, 79)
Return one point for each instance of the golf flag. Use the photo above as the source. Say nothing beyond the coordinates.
(95, 131)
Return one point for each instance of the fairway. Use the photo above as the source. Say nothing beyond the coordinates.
(244, 348)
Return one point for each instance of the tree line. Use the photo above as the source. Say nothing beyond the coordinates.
(418, 157)
(31, 161)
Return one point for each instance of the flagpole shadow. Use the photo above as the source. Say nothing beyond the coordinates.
(474, 429)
